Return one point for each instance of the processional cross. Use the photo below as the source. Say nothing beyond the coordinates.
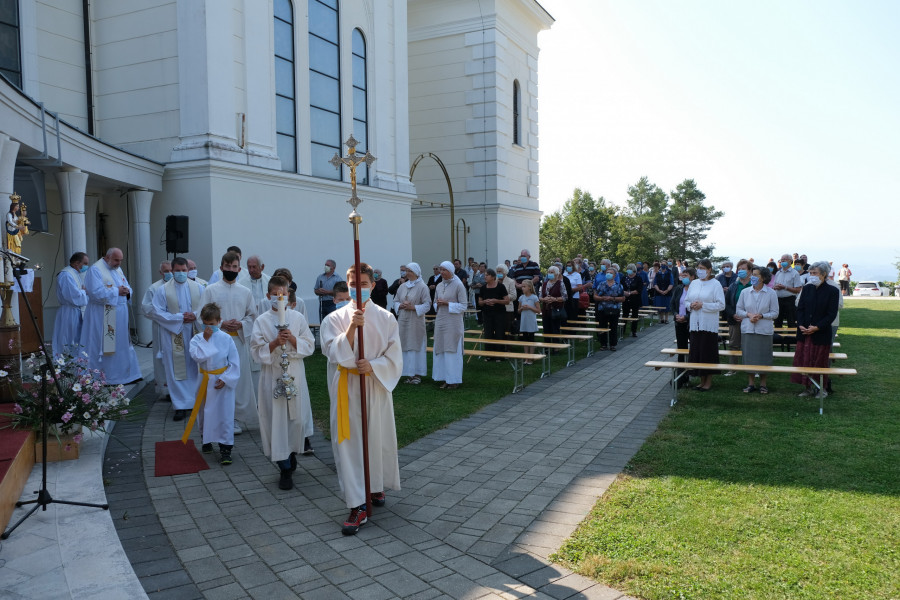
(353, 160)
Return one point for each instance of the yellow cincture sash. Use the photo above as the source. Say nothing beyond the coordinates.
(343, 403)
(201, 398)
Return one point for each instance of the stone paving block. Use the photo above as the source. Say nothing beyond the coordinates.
(276, 590)
(184, 592)
(232, 591)
(402, 583)
(393, 548)
(165, 581)
(276, 554)
(469, 567)
(156, 566)
(327, 592)
(457, 586)
(253, 574)
(372, 591)
(206, 569)
(317, 553)
(417, 563)
(197, 552)
(567, 586)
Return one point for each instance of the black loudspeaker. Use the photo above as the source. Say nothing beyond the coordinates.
(177, 234)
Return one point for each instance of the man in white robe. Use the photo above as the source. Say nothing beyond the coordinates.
(217, 274)
(450, 303)
(176, 307)
(220, 367)
(284, 424)
(258, 284)
(238, 314)
(72, 300)
(381, 364)
(192, 274)
(411, 303)
(105, 334)
(159, 371)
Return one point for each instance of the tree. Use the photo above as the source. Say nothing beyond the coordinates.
(688, 222)
(581, 226)
(641, 228)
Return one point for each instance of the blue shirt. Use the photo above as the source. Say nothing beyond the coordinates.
(609, 289)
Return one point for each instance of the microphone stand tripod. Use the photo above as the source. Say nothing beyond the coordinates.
(43, 496)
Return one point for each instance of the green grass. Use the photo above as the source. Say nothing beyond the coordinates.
(739, 496)
(423, 409)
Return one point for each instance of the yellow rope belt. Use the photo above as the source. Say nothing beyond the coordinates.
(231, 333)
(343, 403)
(201, 398)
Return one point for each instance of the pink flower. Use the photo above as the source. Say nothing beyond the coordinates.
(86, 398)
(94, 426)
(67, 417)
(17, 409)
(96, 386)
(124, 411)
(77, 438)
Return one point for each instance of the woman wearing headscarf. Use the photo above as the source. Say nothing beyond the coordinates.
(817, 308)
(706, 299)
(450, 302)
(411, 304)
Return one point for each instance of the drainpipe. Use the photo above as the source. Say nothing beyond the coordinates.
(88, 67)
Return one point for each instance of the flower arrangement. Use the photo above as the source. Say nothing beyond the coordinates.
(87, 401)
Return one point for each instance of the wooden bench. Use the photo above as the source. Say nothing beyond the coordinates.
(809, 372)
(570, 338)
(516, 359)
(546, 346)
(684, 352)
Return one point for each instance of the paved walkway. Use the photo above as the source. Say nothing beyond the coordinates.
(484, 501)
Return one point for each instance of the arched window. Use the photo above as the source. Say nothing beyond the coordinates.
(285, 100)
(324, 87)
(10, 57)
(360, 102)
(517, 113)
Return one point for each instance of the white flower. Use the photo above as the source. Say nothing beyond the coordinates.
(87, 415)
(76, 387)
(61, 361)
(36, 377)
(3, 373)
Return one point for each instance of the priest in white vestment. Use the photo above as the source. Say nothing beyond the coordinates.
(258, 284)
(176, 307)
(105, 332)
(159, 371)
(220, 369)
(381, 364)
(411, 303)
(238, 314)
(72, 300)
(284, 424)
(450, 302)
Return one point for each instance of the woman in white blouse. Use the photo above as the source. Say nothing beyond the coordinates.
(706, 299)
(757, 308)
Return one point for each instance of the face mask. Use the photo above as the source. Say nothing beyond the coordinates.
(686, 280)
(551, 276)
(817, 281)
(327, 269)
(402, 273)
(742, 273)
(167, 276)
(670, 264)
(376, 276)
(629, 272)
(754, 280)
(609, 276)
(798, 268)
(523, 259)
(180, 276)
(83, 269)
(568, 269)
(726, 269)
(214, 328)
(192, 274)
(592, 269)
(784, 264)
(342, 303)
(365, 294)
(602, 268)
(701, 273)
(499, 275)
(229, 275)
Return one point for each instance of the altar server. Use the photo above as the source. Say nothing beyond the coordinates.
(159, 371)
(450, 302)
(104, 334)
(411, 303)
(284, 424)
(381, 364)
(238, 314)
(220, 369)
(72, 300)
(176, 307)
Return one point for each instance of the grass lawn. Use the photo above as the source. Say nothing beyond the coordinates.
(748, 496)
(422, 409)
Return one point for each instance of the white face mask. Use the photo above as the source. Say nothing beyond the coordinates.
(701, 273)
(192, 274)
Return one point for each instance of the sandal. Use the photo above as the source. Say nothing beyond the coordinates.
(763, 389)
(414, 380)
(452, 386)
(749, 389)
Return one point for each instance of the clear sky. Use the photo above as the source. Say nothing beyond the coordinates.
(786, 113)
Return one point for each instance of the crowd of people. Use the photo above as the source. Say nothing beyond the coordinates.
(210, 337)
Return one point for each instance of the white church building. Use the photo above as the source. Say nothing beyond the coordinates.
(114, 115)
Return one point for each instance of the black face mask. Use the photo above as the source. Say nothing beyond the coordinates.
(229, 275)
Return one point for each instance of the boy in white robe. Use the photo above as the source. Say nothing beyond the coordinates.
(381, 364)
(72, 300)
(220, 368)
(284, 424)
(159, 371)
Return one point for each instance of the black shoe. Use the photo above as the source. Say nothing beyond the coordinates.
(307, 448)
(179, 415)
(207, 448)
(168, 398)
(286, 482)
(633, 335)
(226, 456)
(378, 499)
(293, 459)
(612, 348)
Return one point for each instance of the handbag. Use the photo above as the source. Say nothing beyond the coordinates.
(558, 313)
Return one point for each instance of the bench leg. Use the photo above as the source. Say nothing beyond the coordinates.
(590, 351)
(571, 351)
(518, 374)
(545, 363)
(820, 385)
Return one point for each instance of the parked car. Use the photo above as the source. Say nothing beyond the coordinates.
(871, 288)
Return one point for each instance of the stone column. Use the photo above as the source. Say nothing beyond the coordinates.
(72, 183)
(139, 256)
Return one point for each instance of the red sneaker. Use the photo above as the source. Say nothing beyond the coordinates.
(378, 499)
(357, 519)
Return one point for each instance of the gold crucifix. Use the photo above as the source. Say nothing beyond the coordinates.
(352, 160)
